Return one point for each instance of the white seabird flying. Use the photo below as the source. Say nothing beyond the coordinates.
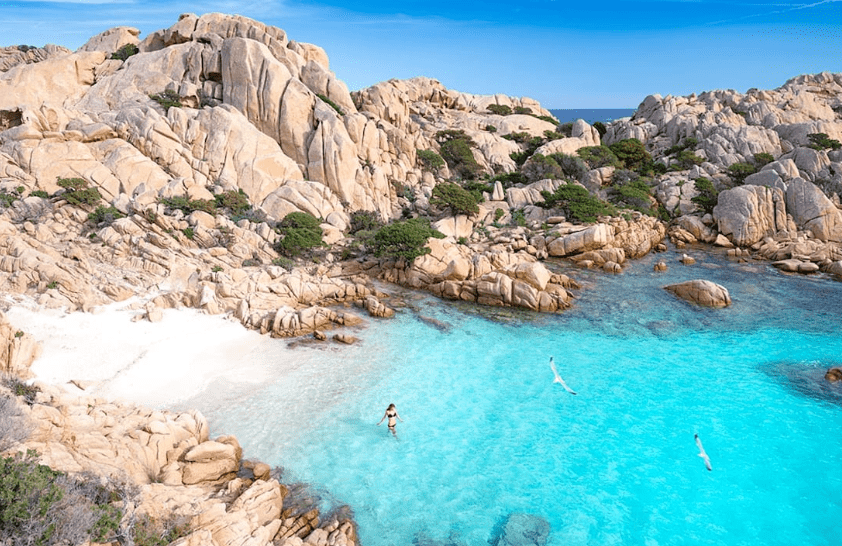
(702, 453)
(558, 378)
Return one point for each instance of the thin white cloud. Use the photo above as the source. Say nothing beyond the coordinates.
(789, 8)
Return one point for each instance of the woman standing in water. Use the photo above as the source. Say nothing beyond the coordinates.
(392, 414)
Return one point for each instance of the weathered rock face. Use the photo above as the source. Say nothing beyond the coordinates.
(702, 292)
(65, 105)
(813, 211)
(746, 214)
(17, 350)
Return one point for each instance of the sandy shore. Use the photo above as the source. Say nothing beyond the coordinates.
(152, 364)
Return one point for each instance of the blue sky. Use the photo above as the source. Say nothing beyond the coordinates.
(585, 54)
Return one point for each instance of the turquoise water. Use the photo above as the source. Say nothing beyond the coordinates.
(486, 433)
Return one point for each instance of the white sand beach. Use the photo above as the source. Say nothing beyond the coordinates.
(152, 364)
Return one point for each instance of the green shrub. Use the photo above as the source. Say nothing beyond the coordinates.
(510, 179)
(635, 195)
(577, 204)
(331, 104)
(498, 213)
(540, 167)
(283, 261)
(104, 215)
(189, 233)
(39, 193)
(429, 160)
(299, 220)
(216, 269)
(740, 171)
(820, 141)
(520, 137)
(598, 156)
(763, 158)
(708, 196)
(566, 129)
(19, 388)
(455, 197)
(519, 157)
(78, 193)
(685, 159)
(236, 202)
(39, 506)
(477, 188)
(523, 110)
(6, 199)
(299, 232)
(187, 205)
(151, 532)
(548, 119)
(632, 153)
(167, 99)
(600, 128)
(125, 52)
(455, 147)
(491, 128)
(519, 217)
(364, 220)
(499, 109)
(571, 165)
(686, 144)
(404, 239)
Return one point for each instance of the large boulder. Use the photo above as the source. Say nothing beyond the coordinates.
(590, 238)
(813, 211)
(702, 292)
(746, 214)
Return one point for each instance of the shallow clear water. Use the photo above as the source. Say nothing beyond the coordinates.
(486, 432)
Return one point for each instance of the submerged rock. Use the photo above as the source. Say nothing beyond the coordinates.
(522, 530)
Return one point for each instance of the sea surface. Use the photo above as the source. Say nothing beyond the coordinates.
(487, 435)
(592, 115)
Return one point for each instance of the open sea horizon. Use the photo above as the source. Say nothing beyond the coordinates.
(592, 115)
(487, 436)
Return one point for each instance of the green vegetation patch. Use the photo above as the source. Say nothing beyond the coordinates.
(77, 192)
(820, 141)
(404, 239)
(455, 147)
(633, 155)
(499, 109)
(167, 99)
(104, 215)
(429, 160)
(455, 197)
(125, 52)
(332, 104)
(578, 205)
(299, 232)
(708, 196)
(540, 167)
(598, 156)
(740, 171)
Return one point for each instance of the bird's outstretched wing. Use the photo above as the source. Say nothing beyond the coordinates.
(558, 378)
(702, 453)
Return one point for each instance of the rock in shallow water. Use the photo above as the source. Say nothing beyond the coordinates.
(702, 292)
